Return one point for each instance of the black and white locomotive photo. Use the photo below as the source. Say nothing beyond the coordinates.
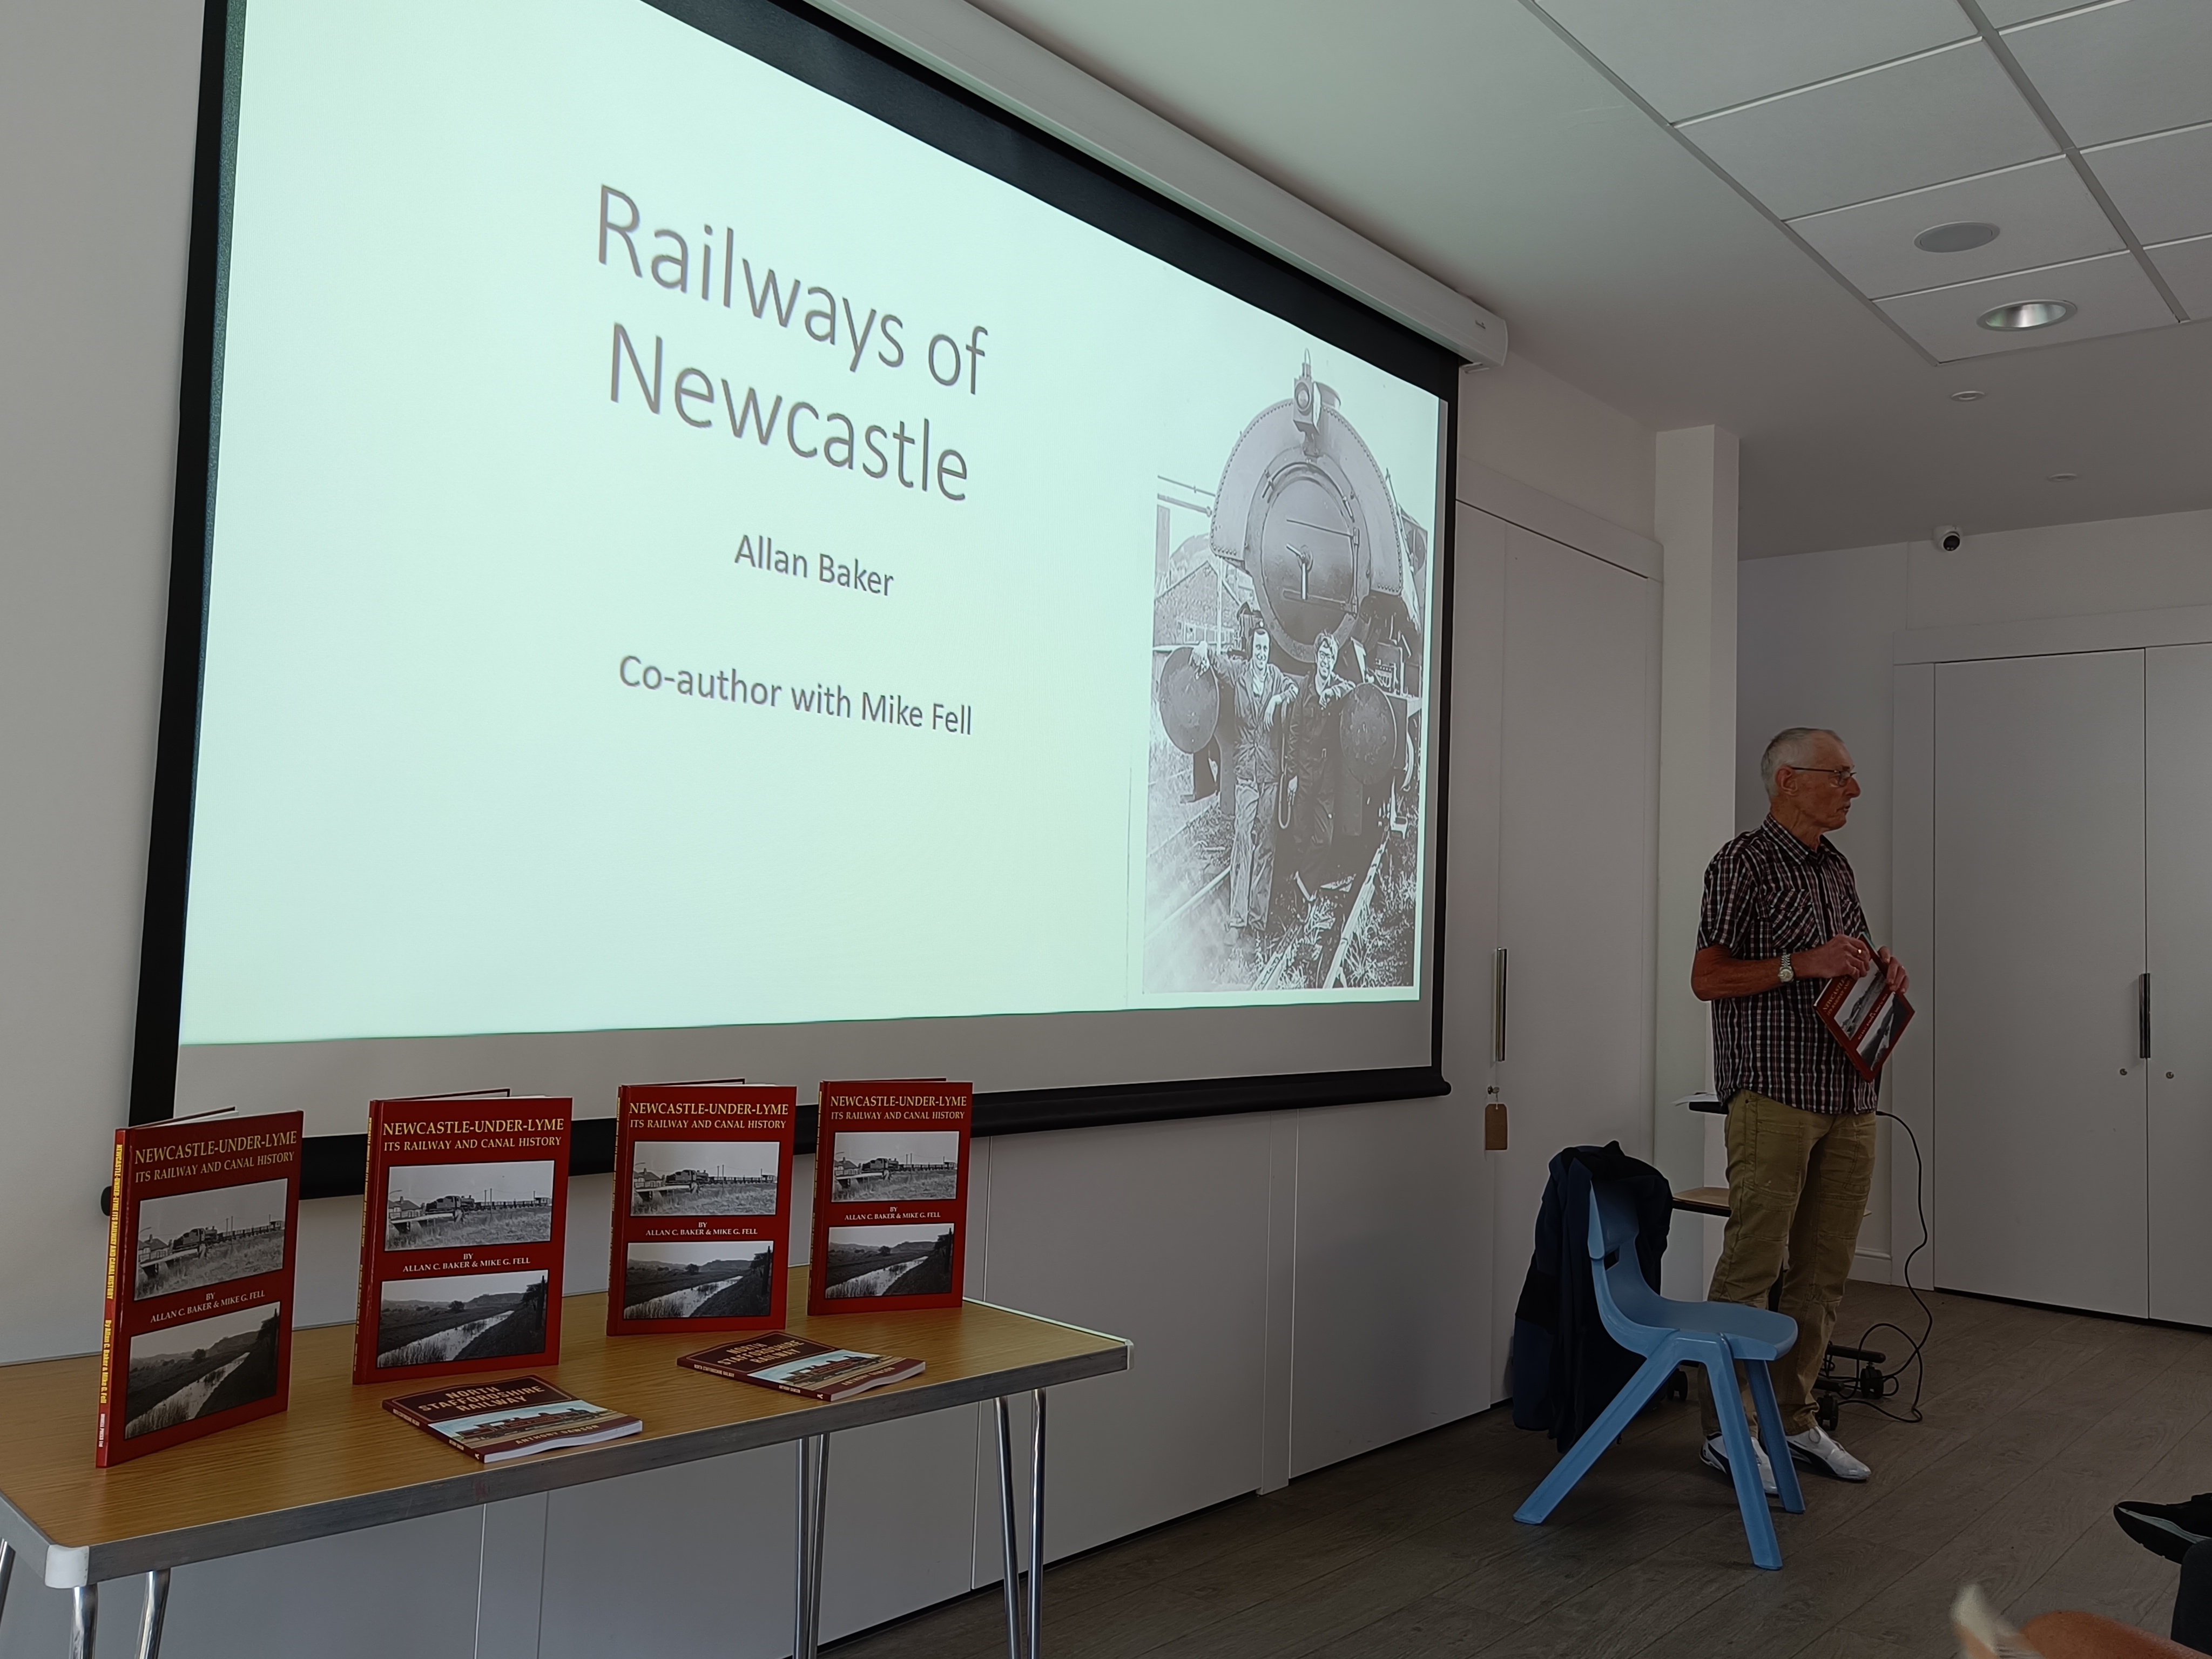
(1282, 821)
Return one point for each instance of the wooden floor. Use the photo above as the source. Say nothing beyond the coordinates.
(2037, 1423)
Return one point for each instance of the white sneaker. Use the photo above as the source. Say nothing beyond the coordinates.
(1715, 1457)
(1817, 1447)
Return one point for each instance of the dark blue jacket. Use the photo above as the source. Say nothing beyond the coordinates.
(1565, 1369)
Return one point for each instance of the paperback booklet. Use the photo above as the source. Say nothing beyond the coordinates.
(200, 1246)
(460, 1254)
(795, 1365)
(890, 1196)
(493, 1422)
(703, 1208)
(1866, 1017)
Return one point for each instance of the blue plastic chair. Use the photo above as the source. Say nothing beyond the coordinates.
(1714, 1334)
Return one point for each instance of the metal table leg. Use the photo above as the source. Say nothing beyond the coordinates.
(157, 1609)
(1037, 1526)
(1012, 1556)
(84, 1619)
(1025, 1611)
(813, 1498)
(6, 1571)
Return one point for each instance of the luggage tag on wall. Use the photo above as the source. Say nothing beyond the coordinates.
(1493, 1124)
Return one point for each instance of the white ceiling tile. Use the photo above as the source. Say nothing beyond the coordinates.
(2044, 215)
(2005, 13)
(2112, 295)
(2187, 268)
(2163, 184)
(2119, 70)
(1692, 56)
(1946, 116)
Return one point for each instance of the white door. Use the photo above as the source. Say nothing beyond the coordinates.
(2040, 1100)
(1471, 892)
(1577, 829)
(2178, 792)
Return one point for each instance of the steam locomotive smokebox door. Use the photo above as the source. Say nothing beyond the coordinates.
(1190, 702)
(1307, 514)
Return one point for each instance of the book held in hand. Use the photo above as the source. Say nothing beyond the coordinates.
(703, 1208)
(466, 1203)
(1866, 1017)
(890, 1196)
(793, 1364)
(514, 1417)
(200, 1248)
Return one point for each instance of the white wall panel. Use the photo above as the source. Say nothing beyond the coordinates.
(409, 1587)
(692, 1559)
(1578, 795)
(1393, 1258)
(2040, 1100)
(2177, 871)
(1156, 1232)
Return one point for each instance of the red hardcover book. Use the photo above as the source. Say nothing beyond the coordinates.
(703, 1208)
(890, 1196)
(463, 1216)
(200, 1248)
(1866, 1017)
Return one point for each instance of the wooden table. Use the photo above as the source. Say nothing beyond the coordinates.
(1703, 1201)
(337, 1461)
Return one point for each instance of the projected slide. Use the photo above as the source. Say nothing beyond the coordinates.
(686, 553)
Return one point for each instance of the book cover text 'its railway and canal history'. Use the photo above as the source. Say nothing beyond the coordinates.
(462, 1232)
(199, 1332)
(890, 1196)
(703, 1208)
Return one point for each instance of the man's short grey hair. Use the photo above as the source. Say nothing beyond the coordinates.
(1791, 746)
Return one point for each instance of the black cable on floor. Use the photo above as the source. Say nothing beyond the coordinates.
(1894, 1383)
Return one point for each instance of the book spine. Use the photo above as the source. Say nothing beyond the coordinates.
(371, 1241)
(618, 1234)
(117, 1203)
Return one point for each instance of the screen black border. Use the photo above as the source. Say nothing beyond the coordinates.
(837, 59)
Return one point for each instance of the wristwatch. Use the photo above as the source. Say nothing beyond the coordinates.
(1788, 972)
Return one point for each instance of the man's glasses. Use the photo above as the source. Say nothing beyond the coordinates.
(1842, 775)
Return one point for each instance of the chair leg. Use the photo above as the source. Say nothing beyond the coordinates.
(1650, 1378)
(1743, 1464)
(1777, 1442)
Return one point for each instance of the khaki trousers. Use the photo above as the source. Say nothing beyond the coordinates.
(1797, 1190)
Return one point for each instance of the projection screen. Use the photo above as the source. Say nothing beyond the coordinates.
(703, 550)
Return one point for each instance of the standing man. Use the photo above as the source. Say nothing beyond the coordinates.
(1781, 917)
(1262, 693)
(1313, 728)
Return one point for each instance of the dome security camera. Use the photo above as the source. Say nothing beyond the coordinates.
(1948, 537)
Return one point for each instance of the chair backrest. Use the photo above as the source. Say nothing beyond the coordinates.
(1632, 1311)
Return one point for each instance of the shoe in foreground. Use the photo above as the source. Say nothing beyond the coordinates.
(2166, 1530)
(1817, 1448)
(1716, 1457)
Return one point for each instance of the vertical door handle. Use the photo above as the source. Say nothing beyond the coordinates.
(1497, 1006)
(2143, 1017)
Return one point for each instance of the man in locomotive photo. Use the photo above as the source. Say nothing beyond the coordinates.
(1261, 696)
(1289, 661)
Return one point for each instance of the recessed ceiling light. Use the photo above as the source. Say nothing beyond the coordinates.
(1968, 397)
(2028, 313)
(2063, 477)
(1961, 238)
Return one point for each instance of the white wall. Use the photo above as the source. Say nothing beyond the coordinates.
(1816, 633)
(1530, 425)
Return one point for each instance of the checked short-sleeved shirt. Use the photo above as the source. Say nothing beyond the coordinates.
(1767, 892)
